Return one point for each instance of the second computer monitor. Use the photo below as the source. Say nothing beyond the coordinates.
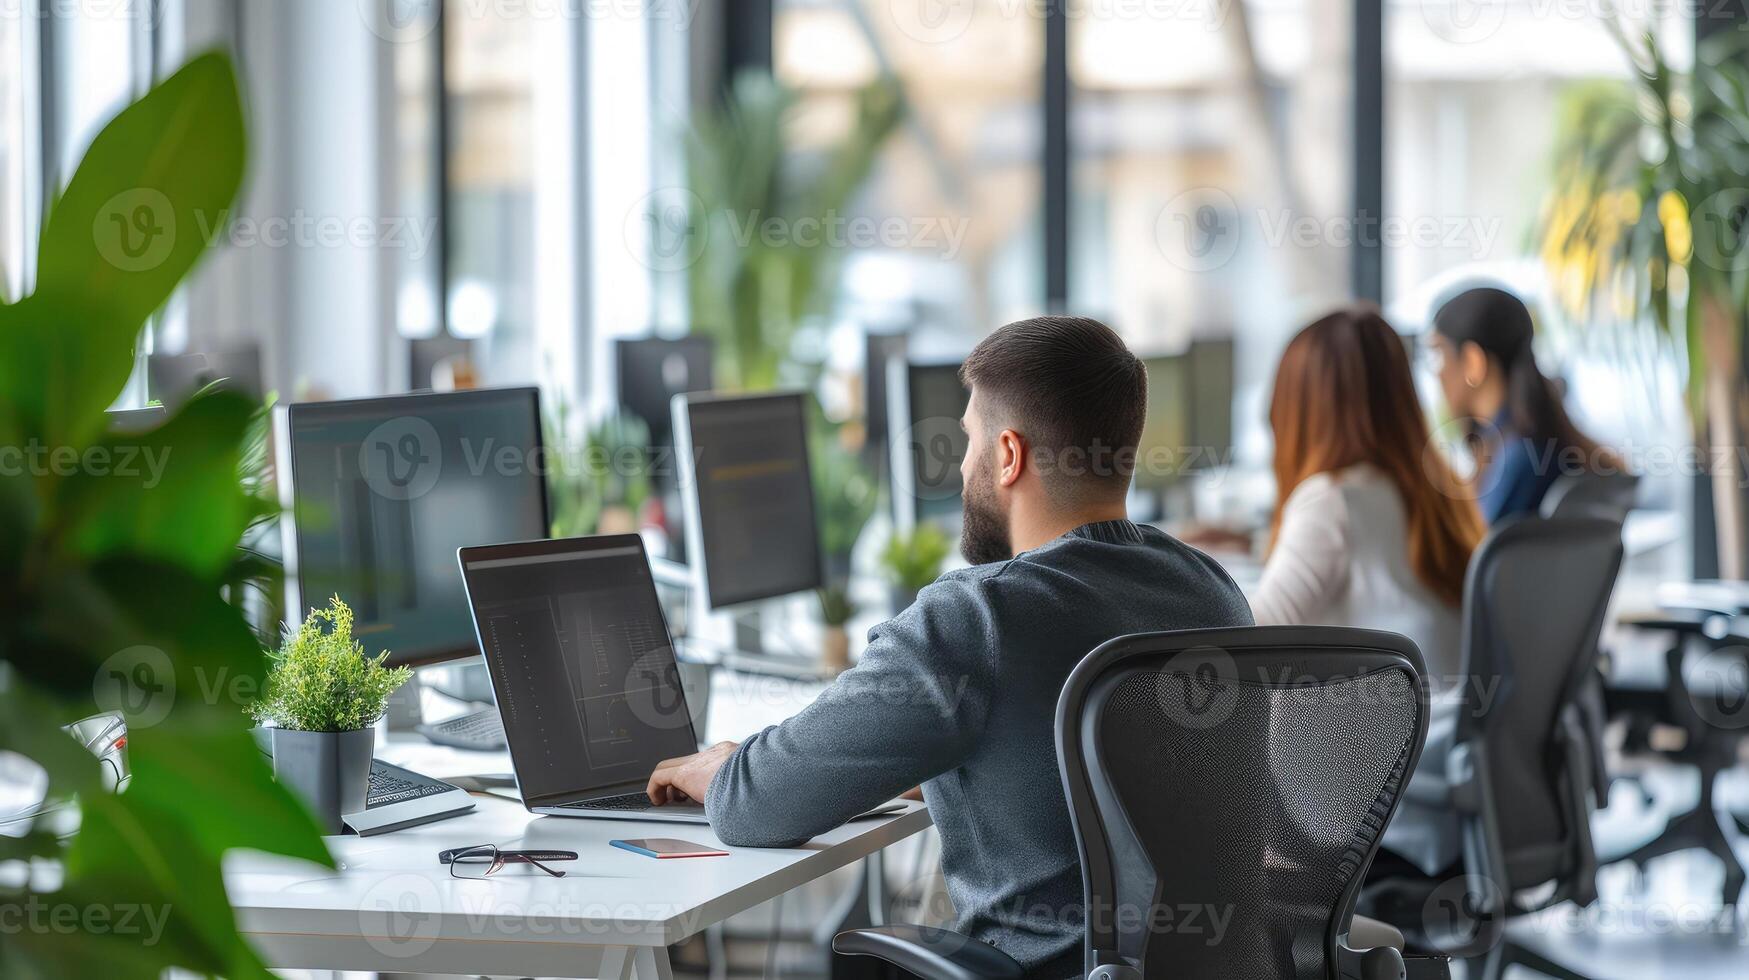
(383, 491)
(1189, 425)
(653, 370)
(749, 495)
(928, 444)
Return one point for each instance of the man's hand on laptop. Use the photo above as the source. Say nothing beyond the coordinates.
(688, 778)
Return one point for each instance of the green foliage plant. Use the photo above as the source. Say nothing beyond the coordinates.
(914, 560)
(748, 289)
(111, 576)
(321, 680)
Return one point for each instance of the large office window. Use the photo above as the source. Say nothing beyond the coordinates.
(1473, 95)
(1210, 159)
(489, 73)
(962, 170)
(416, 69)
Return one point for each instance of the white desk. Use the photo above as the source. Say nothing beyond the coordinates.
(392, 908)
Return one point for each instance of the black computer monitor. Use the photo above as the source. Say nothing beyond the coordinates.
(1211, 402)
(1189, 425)
(928, 443)
(383, 491)
(1164, 454)
(652, 371)
(749, 495)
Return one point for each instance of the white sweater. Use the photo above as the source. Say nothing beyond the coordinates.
(1342, 559)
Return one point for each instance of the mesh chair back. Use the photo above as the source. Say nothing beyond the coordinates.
(1534, 605)
(1228, 789)
(1606, 495)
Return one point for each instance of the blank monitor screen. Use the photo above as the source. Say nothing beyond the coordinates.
(1189, 425)
(386, 489)
(1165, 452)
(938, 443)
(581, 663)
(1211, 410)
(653, 371)
(753, 495)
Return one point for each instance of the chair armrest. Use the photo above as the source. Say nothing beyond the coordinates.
(933, 954)
(1365, 933)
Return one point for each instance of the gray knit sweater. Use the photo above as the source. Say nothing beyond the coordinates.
(959, 694)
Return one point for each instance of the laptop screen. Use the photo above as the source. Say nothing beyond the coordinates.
(581, 663)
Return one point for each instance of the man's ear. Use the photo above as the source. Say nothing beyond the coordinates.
(1010, 457)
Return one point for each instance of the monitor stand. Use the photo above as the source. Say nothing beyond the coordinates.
(748, 635)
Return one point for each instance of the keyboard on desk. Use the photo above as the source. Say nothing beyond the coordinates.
(480, 731)
(391, 784)
(629, 801)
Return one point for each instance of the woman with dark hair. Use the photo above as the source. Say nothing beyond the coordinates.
(1517, 428)
(1373, 528)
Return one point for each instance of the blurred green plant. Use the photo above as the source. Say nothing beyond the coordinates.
(747, 288)
(321, 680)
(844, 500)
(111, 578)
(608, 468)
(836, 606)
(1647, 229)
(844, 493)
(914, 560)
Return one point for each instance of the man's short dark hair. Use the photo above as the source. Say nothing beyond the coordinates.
(1074, 390)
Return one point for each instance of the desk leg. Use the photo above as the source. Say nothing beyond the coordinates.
(651, 963)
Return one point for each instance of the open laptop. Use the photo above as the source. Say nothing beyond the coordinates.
(583, 670)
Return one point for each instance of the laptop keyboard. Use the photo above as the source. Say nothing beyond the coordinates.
(630, 801)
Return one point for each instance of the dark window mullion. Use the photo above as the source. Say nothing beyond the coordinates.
(1367, 257)
(1055, 161)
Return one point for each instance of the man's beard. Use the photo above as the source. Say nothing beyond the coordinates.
(984, 529)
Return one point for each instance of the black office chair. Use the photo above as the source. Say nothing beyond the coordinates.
(1519, 771)
(1606, 495)
(1247, 770)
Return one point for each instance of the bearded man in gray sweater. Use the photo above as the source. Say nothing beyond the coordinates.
(958, 693)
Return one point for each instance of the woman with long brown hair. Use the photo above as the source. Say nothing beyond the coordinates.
(1372, 527)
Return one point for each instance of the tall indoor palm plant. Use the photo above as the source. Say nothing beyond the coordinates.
(756, 210)
(1647, 226)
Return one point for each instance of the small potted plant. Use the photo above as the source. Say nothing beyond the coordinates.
(912, 561)
(836, 611)
(844, 498)
(322, 697)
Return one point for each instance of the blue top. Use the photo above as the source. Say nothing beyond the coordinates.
(959, 694)
(1518, 476)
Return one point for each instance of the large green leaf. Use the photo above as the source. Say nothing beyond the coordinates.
(204, 779)
(157, 638)
(170, 494)
(131, 224)
(128, 855)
